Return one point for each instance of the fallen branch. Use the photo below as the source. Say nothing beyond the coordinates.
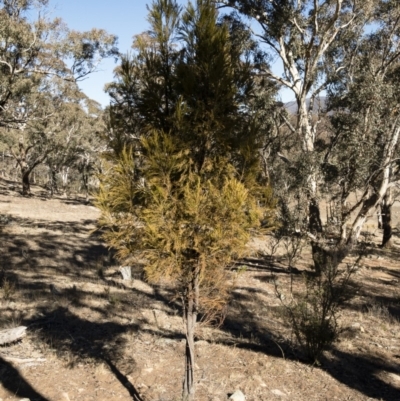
(11, 335)
(22, 360)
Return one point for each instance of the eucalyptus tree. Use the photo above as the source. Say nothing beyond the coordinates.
(365, 103)
(32, 50)
(41, 61)
(33, 142)
(76, 147)
(181, 192)
(91, 147)
(299, 34)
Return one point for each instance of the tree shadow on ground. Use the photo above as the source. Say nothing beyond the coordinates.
(76, 339)
(362, 372)
(66, 247)
(76, 201)
(103, 342)
(375, 293)
(33, 262)
(250, 330)
(373, 250)
(376, 298)
(14, 382)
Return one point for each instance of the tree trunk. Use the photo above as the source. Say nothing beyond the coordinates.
(380, 223)
(190, 315)
(376, 198)
(343, 231)
(319, 257)
(26, 167)
(53, 181)
(315, 227)
(314, 215)
(386, 208)
(64, 177)
(85, 182)
(370, 203)
(26, 185)
(315, 223)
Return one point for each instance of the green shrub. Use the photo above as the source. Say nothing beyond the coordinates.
(312, 314)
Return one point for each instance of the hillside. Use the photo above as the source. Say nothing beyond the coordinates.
(319, 105)
(93, 336)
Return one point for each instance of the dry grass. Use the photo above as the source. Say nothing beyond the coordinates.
(92, 336)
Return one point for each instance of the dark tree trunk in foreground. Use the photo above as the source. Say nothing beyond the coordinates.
(386, 208)
(26, 185)
(315, 223)
(315, 227)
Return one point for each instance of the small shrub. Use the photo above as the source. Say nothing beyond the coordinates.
(312, 313)
(112, 298)
(313, 320)
(8, 288)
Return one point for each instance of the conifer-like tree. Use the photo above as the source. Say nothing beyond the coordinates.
(184, 196)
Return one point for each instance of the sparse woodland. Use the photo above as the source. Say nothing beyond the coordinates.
(251, 224)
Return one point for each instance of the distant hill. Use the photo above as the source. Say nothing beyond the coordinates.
(319, 104)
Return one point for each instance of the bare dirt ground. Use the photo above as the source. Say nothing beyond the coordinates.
(92, 336)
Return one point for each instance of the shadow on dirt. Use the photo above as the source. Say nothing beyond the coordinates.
(82, 339)
(30, 261)
(77, 201)
(277, 265)
(255, 332)
(62, 246)
(79, 339)
(14, 382)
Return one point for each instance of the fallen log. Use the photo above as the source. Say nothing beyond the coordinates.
(11, 335)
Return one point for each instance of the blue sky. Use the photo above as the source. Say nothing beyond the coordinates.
(123, 18)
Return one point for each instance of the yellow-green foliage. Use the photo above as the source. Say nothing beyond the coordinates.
(184, 196)
(175, 218)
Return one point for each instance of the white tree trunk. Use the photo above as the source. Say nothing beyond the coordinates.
(371, 202)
